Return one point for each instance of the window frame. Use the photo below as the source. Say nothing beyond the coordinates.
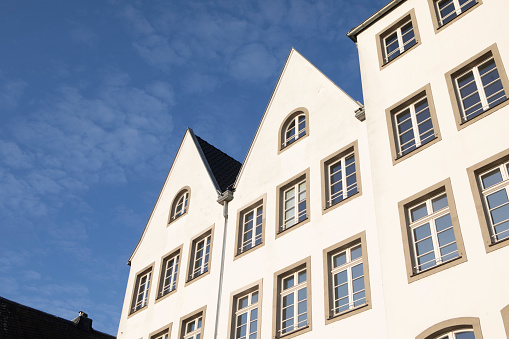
(304, 264)
(201, 312)
(292, 182)
(408, 244)
(182, 192)
(476, 60)
(476, 188)
(325, 164)
(177, 252)
(391, 112)
(450, 325)
(192, 251)
(235, 297)
(380, 37)
(255, 204)
(328, 254)
(134, 297)
(435, 16)
(505, 319)
(165, 330)
(282, 146)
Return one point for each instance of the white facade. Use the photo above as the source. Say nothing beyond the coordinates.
(392, 290)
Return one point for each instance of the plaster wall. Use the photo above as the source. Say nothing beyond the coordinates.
(477, 287)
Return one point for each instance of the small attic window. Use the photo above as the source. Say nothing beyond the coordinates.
(180, 204)
(294, 128)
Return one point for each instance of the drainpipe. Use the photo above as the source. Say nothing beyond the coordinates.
(223, 199)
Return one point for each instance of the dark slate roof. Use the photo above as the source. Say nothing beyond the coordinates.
(20, 321)
(224, 167)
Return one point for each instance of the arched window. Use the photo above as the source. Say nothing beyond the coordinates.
(180, 204)
(458, 328)
(294, 128)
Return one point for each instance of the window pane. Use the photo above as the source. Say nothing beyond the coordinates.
(424, 246)
(496, 199)
(446, 237)
(491, 178)
(439, 203)
(419, 212)
(443, 222)
(357, 271)
(422, 232)
(500, 214)
(288, 282)
(465, 335)
(502, 231)
(358, 284)
(340, 278)
(243, 302)
(302, 277)
(254, 298)
(356, 252)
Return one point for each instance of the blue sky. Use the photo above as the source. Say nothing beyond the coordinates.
(95, 97)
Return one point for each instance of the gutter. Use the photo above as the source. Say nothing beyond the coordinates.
(223, 199)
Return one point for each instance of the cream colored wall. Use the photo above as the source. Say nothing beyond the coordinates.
(159, 239)
(332, 126)
(478, 287)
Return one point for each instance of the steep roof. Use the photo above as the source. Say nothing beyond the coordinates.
(223, 167)
(20, 321)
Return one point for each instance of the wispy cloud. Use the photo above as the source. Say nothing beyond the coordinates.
(11, 92)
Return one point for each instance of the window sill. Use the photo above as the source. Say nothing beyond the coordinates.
(439, 28)
(241, 254)
(348, 313)
(385, 64)
(401, 158)
(196, 278)
(487, 112)
(295, 332)
(347, 199)
(137, 311)
(177, 218)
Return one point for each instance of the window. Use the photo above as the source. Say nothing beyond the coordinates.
(246, 316)
(477, 86)
(458, 328)
(431, 230)
(192, 325)
(340, 176)
(293, 197)
(347, 278)
(169, 273)
(490, 186)
(201, 249)
(445, 11)
(162, 333)
(251, 225)
(294, 128)
(413, 124)
(141, 290)
(180, 204)
(397, 39)
(293, 300)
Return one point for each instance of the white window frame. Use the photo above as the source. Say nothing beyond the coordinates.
(249, 319)
(142, 291)
(181, 206)
(458, 9)
(348, 268)
(399, 38)
(503, 185)
(170, 273)
(415, 126)
(430, 218)
(297, 200)
(480, 89)
(198, 268)
(256, 225)
(298, 132)
(196, 333)
(343, 180)
(452, 334)
(295, 291)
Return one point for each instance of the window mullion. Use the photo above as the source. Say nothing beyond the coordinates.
(480, 88)
(400, 40)
(457, 7)
(415, 126)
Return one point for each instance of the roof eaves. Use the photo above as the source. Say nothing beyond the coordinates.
(352, 34)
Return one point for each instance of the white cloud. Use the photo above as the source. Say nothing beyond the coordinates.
(11, 92)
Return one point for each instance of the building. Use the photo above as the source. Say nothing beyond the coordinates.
(388, 220)
(19, 321)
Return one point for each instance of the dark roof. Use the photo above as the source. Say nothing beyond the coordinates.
(224, 167)
(20, 321)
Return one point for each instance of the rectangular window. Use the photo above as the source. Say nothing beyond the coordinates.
(449, 9)
(399, 38)
(200, 255)
(495, 188)
(169, 274)
(141, 290)
(295, 208)
(413, 124)
(246, 316)
(192, 324)
(347, 277)
(293, 299)
(162, 333)
(252, 223)
(293, 198)
(432, 231)
(340, 176)
(478, 86)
